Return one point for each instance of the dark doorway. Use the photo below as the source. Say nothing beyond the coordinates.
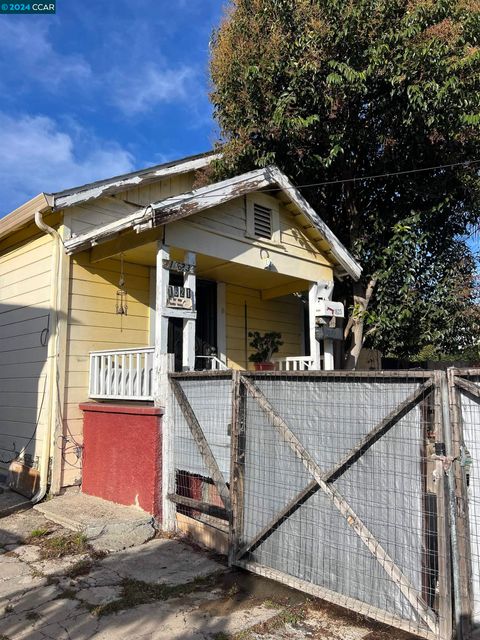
(175, 340)
(206, 326)
(206, 329)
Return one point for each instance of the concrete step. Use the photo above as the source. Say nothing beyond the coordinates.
(107, 526)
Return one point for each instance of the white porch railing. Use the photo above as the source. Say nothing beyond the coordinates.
(127, 374)
(296, 363)
(123, 374)
(210, 363)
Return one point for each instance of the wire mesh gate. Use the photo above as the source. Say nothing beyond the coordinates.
(464, 393)
(331, 482)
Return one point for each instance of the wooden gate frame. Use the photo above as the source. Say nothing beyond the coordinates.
(203, 446)
(458, 383)
(436, 629)
(233, 503)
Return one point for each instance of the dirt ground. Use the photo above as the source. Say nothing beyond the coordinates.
(54, 585)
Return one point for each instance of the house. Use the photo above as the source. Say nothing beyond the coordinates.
(98, 281)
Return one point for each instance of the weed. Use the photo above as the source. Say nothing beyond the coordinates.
(3, 637)
(221, 635)
(234, 589)
(65, 545)
(292, 615)
(33, 616)
(39, 533)
(288, 615)
(270, 604)
(136, 592)
(80, 568)
(9, 608)
(243, 635)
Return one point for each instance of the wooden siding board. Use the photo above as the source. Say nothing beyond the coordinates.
(25, 292)
(93, 325)
(229, 220)
(85, 217)
(280, 315)
(79, 302)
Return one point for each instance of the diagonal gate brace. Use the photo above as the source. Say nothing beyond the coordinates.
(202, 443)
(353, 520)
(350, 458)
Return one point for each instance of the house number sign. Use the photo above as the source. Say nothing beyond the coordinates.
(180, 267)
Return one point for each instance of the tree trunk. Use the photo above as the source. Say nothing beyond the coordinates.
(355, 325)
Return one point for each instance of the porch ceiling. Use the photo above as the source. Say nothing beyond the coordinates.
(211, 268)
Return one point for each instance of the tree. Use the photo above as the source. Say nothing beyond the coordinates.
(333, 90)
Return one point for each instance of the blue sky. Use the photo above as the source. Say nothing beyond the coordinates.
(101, 88)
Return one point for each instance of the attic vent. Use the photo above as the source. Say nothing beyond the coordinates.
(262, 221)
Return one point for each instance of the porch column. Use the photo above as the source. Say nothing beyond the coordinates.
(189, 282)
(328, 359)
(314, 344)
(161, 321)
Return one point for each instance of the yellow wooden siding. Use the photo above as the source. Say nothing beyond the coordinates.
(230, 220)
(25, 298)
(221, 232)
(93, 325)
(85, 217)
(284, 315)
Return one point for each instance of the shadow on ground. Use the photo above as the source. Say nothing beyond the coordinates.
(164, 589)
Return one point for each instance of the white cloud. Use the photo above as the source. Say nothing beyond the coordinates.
(135, 80)
(139, 91)
(37, 155)
(28, 44)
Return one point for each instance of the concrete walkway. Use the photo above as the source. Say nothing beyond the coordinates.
(53, 585)
(108, 526)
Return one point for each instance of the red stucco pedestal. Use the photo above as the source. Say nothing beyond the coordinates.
(122, 455)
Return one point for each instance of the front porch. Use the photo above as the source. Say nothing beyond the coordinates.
(202, 310)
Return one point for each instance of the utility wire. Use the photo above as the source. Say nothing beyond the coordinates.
(464, 163)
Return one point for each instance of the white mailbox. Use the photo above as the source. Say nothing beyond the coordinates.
(329, 309)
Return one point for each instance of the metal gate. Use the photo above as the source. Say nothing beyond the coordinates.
(464, 388)
(334, 483)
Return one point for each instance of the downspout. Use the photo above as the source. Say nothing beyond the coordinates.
(52, 355)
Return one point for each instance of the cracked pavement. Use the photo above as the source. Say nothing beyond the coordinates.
(40, 600)
(58, 598)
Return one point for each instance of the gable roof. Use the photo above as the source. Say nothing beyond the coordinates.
(101, 188)
(187, 204)
(76, 195)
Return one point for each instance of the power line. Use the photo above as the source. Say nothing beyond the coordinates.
(465, 163)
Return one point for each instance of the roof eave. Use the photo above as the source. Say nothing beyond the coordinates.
(93, 190)
(24, 214)
(184, 205)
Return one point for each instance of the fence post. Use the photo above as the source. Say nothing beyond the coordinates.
(442, 516)
(460, 530)
(237, 453)
(163, 398)
(446, 392)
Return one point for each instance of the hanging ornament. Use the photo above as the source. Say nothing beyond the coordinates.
(121, 306)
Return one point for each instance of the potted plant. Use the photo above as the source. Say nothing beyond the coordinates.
(265, 346)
